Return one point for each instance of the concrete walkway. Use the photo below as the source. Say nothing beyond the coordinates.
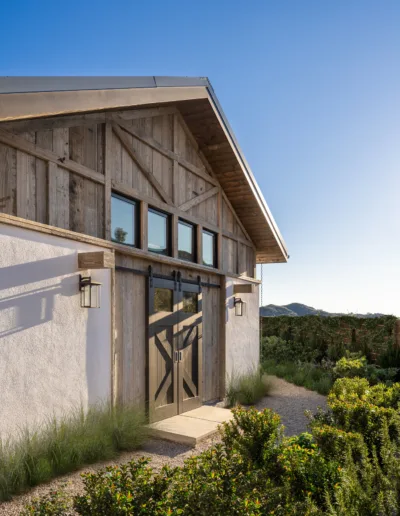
(191, 427)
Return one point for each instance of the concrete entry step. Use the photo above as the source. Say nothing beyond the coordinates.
(191, 427)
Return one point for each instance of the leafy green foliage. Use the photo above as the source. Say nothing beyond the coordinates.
(54, 503)
(351, 366)
(67, 444)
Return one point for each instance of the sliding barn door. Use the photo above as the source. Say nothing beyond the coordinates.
(175, 348)
(190, 347)
(162, 352)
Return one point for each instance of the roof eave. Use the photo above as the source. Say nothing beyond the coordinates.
(249, 176)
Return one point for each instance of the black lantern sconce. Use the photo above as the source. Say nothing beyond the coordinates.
(239, 306)
(90, 292)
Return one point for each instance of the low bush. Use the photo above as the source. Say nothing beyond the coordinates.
(66, 444)
(351, 366)
(55, 503)
(248, 388)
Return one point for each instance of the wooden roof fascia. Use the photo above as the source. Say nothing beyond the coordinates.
(19, 106)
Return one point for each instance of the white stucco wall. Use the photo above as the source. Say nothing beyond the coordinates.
(242, 333)
(54, 355)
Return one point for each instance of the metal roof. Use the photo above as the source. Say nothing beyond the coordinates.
(71, 83)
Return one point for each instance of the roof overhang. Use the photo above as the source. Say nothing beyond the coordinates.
(38, 97)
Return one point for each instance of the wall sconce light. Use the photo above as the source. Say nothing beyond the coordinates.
(90, 292)
(239, 306)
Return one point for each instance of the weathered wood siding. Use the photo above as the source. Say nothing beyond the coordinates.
(130, 331)
(33, 189)
(60, 171)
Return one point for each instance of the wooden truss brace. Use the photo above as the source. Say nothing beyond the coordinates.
(16, 142)
(165, 152)
(210, 170)
(136, 158)
(199, 199)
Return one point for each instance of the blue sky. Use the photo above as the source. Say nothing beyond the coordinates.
(312, 91)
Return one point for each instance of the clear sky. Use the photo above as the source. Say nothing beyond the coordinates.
(312, 91)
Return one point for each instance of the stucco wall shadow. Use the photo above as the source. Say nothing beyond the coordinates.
(35, 306)
(54, 354)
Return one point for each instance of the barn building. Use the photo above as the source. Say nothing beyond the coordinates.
(130, 229)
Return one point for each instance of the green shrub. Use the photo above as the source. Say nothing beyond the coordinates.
(253, 434)
(336, 444)
(349, 389)
(55, 503)
(377, 374)
(351, 366)
(370, 411)
(247, 389)
(305, 469)
(66, 444)
(359, 389)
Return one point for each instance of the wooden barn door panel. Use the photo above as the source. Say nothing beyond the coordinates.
(190, 347)
(163, 360)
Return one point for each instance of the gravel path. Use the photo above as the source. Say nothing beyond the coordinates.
(288, 400)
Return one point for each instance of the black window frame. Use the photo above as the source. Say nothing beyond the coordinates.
(167, 216)
(136, 222)
(215, 257)
(194, 240)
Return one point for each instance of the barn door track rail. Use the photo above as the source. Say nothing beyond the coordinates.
(175, 276)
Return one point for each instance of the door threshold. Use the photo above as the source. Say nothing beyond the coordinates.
(191, 427)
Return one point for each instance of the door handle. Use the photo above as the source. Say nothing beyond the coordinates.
(176, 356)
(180, 356)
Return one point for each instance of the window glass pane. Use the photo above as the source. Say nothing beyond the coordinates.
(185, 241)
(163, 300)
(208, 249)
(123, 221)
(157, 233)
(190, 302)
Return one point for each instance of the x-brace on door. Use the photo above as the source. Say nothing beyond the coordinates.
(174, 347)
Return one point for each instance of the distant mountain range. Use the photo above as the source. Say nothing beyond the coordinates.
(298, 310)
